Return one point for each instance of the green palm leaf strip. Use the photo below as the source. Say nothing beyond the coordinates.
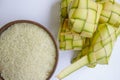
(103, 1)
(64, 5)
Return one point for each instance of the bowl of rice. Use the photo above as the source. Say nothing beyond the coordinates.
(28, 51)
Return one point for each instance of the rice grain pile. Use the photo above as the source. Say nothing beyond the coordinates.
(27, 52)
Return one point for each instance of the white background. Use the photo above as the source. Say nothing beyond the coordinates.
(47, 13)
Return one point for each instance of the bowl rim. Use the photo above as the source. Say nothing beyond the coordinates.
(9, 24)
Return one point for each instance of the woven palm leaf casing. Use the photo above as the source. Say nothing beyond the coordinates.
(84, 16)
(64, 8)
(118, 31)
(70, 40)
(110, 14)
(101, 45)
(83, 52)
(102, 1)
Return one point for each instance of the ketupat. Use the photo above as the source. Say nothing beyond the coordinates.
(69, 40)
(84, 16)
(97, 44)
(100, 48)
(110, 14)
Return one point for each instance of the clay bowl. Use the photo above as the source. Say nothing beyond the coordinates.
(5, 27)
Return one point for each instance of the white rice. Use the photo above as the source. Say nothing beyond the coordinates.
(27, 52)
